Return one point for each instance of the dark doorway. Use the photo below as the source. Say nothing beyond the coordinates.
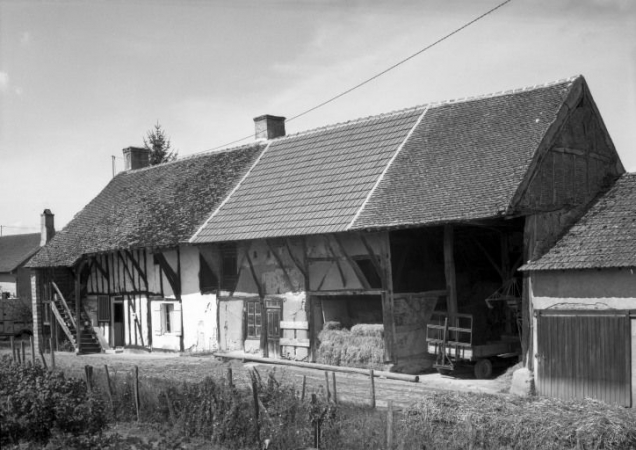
(119, 327)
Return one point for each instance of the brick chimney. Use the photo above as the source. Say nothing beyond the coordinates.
(47, 230)
(136, 158)
(269, 127)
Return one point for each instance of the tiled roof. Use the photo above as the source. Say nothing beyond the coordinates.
(312, 182)
(465, 160)
(442, 162)
(153, 207)
(16, 249)
(604, 237)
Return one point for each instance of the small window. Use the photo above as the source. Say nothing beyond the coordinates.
(167, 315)
(254, 319)
(166, 318)
(229, 267)
(103, 308)
(207, 280)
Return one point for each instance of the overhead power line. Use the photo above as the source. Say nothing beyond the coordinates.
(378, 75)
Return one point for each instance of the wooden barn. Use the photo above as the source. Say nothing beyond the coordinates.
(416, 219)
(583, 294)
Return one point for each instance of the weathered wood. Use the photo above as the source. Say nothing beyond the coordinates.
(78, 304)
(88, 372)
(336, 260)
(279, 261)
(297, 263)
(449, 269)
(294, 325)
(347, 292)
(101, 269)
(302, 395)
(109, 390)
(256, 406)
(13, 349)
(307, 365)
(171, 275)
(389, 425)
(32, 344)
(335, 390)
(292, 342)
(374, 259)
(354, 265)
(64, 305)
(52, 353)
(228, 377)
(137, 266)
(60, 320)
(136, 390)
(327, 385)
(43, 360)
(372, 378)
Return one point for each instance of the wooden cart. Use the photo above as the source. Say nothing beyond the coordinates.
(450, 337)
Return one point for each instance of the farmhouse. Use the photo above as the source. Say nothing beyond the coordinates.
(416, 220)
(583, 294)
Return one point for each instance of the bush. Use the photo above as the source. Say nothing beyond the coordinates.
(35, 403)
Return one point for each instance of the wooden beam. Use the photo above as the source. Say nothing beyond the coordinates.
(78, 308)
(449, 269)
(280, 264)
(354, 265)
(374, 259)
(297, 263)
(137, 266)
(337, 261)
(171, 275)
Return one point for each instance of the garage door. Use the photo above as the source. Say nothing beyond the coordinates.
(584, 354)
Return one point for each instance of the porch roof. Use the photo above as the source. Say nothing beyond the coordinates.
(605, 237)
(157, 206)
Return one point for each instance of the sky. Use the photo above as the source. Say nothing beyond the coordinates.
(81, 80)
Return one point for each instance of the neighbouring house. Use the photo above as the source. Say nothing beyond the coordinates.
(399, 219)
(583, 295)
(15, 276)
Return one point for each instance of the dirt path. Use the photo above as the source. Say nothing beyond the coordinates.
(355, 388)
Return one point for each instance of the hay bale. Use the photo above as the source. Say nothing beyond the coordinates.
(362, 348)
(368, 329)
(332, 326)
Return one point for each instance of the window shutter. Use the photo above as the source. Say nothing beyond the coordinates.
(176, 319)
(103, 308)
(157, 323)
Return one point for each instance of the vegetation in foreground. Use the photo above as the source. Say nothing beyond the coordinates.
(39, 409)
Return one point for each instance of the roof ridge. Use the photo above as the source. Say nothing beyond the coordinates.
(429, 105)
(198, 155)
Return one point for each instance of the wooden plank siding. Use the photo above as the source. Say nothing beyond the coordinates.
(585, 354)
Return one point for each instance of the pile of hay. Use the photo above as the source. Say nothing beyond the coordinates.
(363, 346)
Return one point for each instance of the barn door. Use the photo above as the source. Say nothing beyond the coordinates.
(584, 354)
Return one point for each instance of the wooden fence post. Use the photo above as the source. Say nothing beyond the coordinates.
(327, 384)
(32, 350)
(43, 360)
(109, 389)
(302, 395)
(13, 349)
(316, 423)
(52, 354)
(23, 360)
(136, 389)
(335, 391)
(256, 408)
(372, 388)
(88, 370)
(228, 376)
(389, 425)
(170, 407)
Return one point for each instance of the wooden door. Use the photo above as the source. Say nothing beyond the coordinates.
(584, 354)
(273, 332)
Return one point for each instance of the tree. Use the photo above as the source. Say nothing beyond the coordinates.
(159, 145)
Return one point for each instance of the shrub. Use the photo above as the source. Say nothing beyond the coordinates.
(35, 403)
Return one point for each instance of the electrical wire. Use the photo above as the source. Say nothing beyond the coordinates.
(378, 75)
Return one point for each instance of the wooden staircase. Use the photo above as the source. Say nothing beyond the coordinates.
(66, 319)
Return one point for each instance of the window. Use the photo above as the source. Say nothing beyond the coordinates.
(229, 267)
(166, 318)
(103, 308)
(207, 280)
(254, 319)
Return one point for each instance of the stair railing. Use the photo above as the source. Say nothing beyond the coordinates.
(62, 323)
(65, 305)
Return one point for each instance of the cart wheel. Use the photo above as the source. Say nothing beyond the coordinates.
(483, 369)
